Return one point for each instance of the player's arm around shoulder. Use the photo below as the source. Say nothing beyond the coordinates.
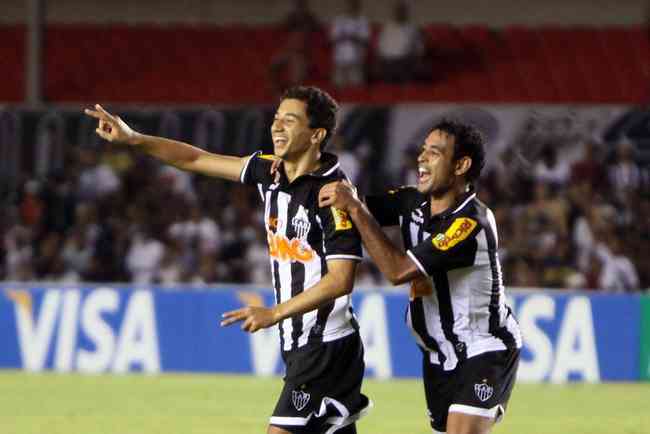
(182, 155)
(391, 261)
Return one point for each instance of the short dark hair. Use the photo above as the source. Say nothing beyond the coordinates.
(469, 142)
(321, 108)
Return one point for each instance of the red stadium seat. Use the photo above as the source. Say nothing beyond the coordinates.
(187, 64)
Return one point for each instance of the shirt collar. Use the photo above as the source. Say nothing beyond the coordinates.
(328, 165)
(460, 203)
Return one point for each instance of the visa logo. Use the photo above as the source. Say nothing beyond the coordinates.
(86, 331)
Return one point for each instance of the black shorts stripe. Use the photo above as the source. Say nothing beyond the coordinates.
(441, 283)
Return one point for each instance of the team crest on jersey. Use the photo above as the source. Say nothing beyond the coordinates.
(341, 219)
(459, 230)
(483, 391)
(300, 399)
(301, 223)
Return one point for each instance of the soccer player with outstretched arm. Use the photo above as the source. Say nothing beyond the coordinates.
(313, 252)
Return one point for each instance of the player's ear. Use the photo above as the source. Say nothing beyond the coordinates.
(463, 165)
(318, 136)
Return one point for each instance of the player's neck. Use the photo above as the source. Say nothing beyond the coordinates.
(443, 202)
(306, 163)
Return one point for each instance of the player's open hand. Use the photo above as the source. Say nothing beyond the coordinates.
(339, 194)
(111, 127)
(253, 317)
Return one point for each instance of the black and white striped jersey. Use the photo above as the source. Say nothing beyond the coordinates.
(463, 312)
(302, 237)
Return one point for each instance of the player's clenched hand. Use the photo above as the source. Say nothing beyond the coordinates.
(339, 194)
(253, 317)
(111, 127)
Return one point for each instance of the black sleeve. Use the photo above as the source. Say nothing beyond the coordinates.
(385, 208)
(341, 239)
(454, 248)
(257, 170)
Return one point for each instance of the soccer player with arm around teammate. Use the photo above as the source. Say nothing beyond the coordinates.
(313, 252)
(457, 310)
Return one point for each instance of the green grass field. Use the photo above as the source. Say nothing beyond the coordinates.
(212, 404)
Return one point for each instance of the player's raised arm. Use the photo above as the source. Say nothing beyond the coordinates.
(186, 157)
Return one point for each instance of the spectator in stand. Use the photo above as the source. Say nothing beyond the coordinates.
(548, 209)
(144, 256)
(59, 202)
(96, 180)
(350, 35)
(198, 231)
(400, 50)
(624, 174)
(171, 269)
(19, 251)
(301, 18)
(590, 168)
(76, 252)
(257, 259)
(550, 169)
(617, 271)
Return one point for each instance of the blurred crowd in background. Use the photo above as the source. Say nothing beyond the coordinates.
(573, 214)
(569, 217)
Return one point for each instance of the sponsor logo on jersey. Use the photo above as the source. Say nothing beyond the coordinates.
(341, 219)
(459, 230)
(300, 399)
(284, 249)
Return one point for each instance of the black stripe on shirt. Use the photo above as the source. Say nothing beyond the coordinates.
(443, 292)
(495, 329)
(297, 279)
(273, 216)
(316, 332)
(418, 322)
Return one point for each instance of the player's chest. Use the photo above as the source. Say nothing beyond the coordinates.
(416, 226)
(292, 213)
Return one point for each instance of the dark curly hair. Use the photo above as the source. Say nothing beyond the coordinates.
(469, 142)
(321, 108)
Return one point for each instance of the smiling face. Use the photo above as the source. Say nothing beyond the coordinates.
(437, 170)
(290, 130)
